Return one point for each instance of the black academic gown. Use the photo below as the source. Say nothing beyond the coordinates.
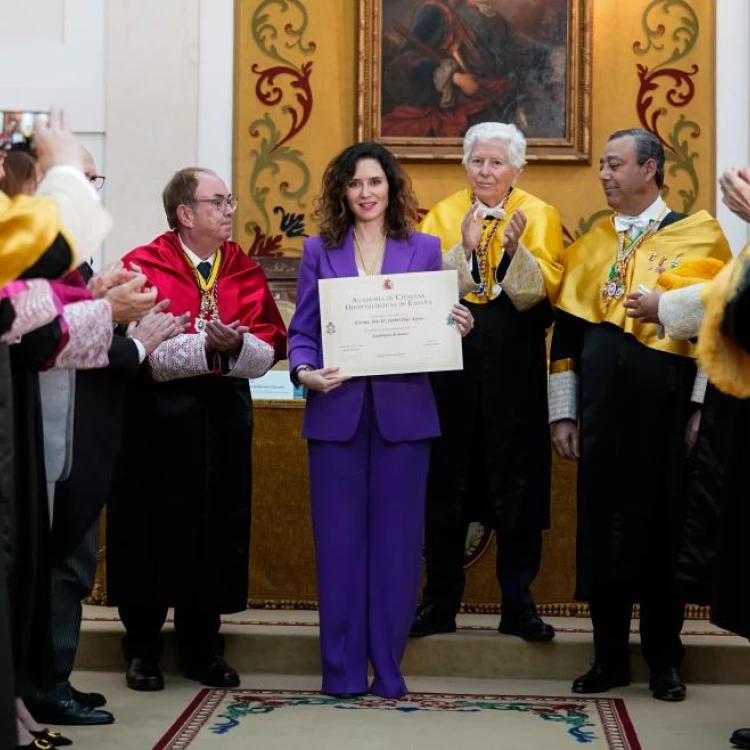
(711, 562)
(492, 462)
(24, 601)
(8, 738)
(178, 520)
(729, 468)
(634, 406)
(713, 557)
(30, 572)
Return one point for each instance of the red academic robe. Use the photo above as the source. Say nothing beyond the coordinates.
(179, 515)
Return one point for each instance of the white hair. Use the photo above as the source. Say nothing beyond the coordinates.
(497, 131)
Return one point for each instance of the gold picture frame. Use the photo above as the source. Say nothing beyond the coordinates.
(428, 69)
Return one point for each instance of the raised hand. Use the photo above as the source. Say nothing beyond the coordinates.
(513, 232)
(471, 228)
(129, 302)
(55, 143)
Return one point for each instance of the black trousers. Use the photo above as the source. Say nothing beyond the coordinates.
(662, 617)
(519, 555)
(72, 580)
(197, 632)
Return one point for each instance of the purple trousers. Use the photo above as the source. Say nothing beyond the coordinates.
(368, 517)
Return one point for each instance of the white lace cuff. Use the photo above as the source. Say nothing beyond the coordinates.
(35, 306)
(563, 396)
(455, 260)
(255, 358)
(89, 335)
(699, 387)
(183, 356)
(681, 312)
(523, 282)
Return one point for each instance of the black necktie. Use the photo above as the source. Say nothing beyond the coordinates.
(204, 269)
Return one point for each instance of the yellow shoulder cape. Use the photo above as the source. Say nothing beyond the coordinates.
(28, 227)
(542, 236)
(588, 261)
(726, 363)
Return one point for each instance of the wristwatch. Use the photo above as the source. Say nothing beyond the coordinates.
(295, 373)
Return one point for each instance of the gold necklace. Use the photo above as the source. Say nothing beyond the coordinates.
(482, 250)
(615, 286)
(374, 265)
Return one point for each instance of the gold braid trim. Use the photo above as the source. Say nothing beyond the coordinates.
(562, 365)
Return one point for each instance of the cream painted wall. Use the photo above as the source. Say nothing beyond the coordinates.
(148, 85)
(732, 103)
(169, 105)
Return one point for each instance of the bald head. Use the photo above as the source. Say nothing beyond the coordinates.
(89, 166)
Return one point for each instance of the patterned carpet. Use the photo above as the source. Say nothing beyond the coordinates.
(268, 719)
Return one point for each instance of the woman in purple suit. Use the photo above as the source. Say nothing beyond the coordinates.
(368, 437)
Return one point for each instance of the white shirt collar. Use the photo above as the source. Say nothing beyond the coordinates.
(655, 212)
(194, 259)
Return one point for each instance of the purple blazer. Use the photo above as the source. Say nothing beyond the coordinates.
(404, 405)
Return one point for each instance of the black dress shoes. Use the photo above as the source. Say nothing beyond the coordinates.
(599, 680)
(144, 675)
(741, 738)
(92, 700)
(530, 627)
(428, 621)
(67, 713)
(668, 686)
(214, 674)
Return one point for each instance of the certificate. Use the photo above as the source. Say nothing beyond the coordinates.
(388, 325)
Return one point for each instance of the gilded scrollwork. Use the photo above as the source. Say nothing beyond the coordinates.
(672, 30)
(279, 29)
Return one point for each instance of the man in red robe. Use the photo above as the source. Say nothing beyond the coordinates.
(179, 516)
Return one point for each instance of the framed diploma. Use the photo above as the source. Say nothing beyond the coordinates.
(388, 325)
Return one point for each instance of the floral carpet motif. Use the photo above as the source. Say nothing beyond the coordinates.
(264, 718)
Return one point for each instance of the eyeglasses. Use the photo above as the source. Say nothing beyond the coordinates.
(220, 204)
(97, 180)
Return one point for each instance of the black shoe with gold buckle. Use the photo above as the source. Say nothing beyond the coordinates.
(53, 738)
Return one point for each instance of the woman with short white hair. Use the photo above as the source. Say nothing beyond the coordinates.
(493, 461)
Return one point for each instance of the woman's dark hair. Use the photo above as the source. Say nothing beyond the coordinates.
(20, 170)
(332, 211)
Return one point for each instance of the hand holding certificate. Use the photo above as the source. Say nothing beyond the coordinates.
(387, 325)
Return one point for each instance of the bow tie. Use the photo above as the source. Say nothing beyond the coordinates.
(633, 224)
(497, 212)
